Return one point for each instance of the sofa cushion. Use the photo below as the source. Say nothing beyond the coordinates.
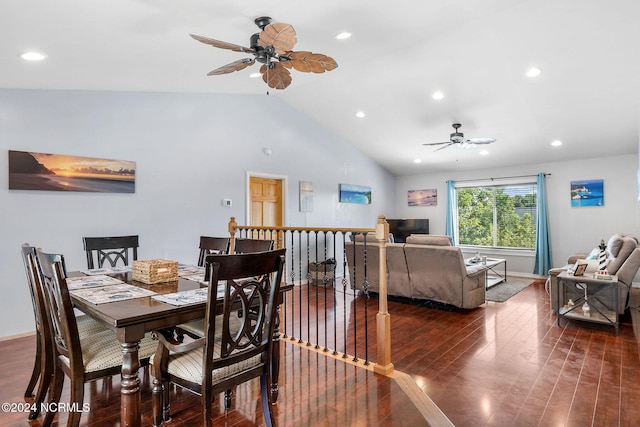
(371, 237)
(429, 239)
(360, 237)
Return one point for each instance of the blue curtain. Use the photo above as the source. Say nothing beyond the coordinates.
(451, 211)
(543, 246)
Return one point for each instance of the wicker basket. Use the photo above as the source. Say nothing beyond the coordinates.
(322, 273)
(153, 271)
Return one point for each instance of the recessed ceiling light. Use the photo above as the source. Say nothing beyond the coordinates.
(484, 153)
(417, 161)
(254, 75)
(360, 114)
(556, 143)
(533, 72)
(437, 95)
(33, 56)
(343, 36)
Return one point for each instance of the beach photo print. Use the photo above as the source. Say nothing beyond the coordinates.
(57, 172)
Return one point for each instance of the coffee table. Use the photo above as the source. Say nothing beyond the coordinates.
(496, 270)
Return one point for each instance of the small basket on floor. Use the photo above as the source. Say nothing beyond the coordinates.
(322, 273)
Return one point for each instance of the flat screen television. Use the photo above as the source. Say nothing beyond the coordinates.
(401, 228)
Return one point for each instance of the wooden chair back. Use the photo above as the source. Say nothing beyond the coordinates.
(59, 310)
(209, 245)
(111, 250)
(43, 364)
(245, 246)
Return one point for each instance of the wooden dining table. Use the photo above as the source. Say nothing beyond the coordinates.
(131, 319)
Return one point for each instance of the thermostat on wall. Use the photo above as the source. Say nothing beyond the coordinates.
(226, 202)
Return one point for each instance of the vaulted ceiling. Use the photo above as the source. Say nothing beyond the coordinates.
(400, 53)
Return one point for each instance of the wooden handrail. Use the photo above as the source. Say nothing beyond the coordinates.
(233, 225)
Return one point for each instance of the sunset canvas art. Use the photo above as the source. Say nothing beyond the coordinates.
(423, 197)
(56, 172)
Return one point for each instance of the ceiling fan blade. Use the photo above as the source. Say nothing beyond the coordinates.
(480, 140)
(444, 146)
(309, 62)
(279, 35)
(276, 76)
(438, 143)
(222, 45)
(238, 65)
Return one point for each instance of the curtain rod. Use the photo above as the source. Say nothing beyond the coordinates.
(502, 177)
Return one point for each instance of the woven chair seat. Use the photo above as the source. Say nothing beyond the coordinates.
(87, 325)
(188, 366)
(101, 350)
(196, 327)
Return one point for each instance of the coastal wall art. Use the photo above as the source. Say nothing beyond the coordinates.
(350, 193)
(423, 197)
(587, 193)
(57, 172)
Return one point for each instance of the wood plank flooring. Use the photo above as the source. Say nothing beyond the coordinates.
(503, 364)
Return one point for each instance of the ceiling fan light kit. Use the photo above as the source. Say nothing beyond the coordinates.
(458, 138)
(272, 47)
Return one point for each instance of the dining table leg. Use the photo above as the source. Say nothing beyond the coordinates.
(130, 415)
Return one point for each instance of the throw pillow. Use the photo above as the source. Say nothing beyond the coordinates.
(594, 253)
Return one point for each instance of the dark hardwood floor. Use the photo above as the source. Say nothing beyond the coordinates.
(503, 364)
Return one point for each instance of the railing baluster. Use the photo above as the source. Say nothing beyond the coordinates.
(335, 286)
(348, 319)
(308, 292)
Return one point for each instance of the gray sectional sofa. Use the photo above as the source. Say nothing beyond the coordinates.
(426, 267)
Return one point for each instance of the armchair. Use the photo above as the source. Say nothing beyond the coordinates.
(624, 261)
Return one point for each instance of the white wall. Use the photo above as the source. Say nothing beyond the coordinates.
(572, 229)
(191, 151)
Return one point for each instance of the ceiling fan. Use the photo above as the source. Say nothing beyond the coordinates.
(273, 48)
(458, 138)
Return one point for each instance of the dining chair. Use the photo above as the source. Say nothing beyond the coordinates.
(41, 373)
(210, 245)
(43, 365)
(233, 350)
(195, 328)
(110, 249)
(95, 355)
(244, 246)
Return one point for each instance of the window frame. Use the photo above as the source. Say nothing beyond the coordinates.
(494, 184)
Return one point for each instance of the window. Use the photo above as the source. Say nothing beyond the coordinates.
(502, 216)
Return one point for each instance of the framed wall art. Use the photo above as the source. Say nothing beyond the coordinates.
(423, 197)
(350, 193)
(587, 193)
(305, 189)
(58, 172)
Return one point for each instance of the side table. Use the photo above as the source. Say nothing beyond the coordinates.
(588, 305)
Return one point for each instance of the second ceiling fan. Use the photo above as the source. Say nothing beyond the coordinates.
(458, 138)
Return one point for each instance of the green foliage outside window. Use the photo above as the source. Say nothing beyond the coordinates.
(497, 216)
